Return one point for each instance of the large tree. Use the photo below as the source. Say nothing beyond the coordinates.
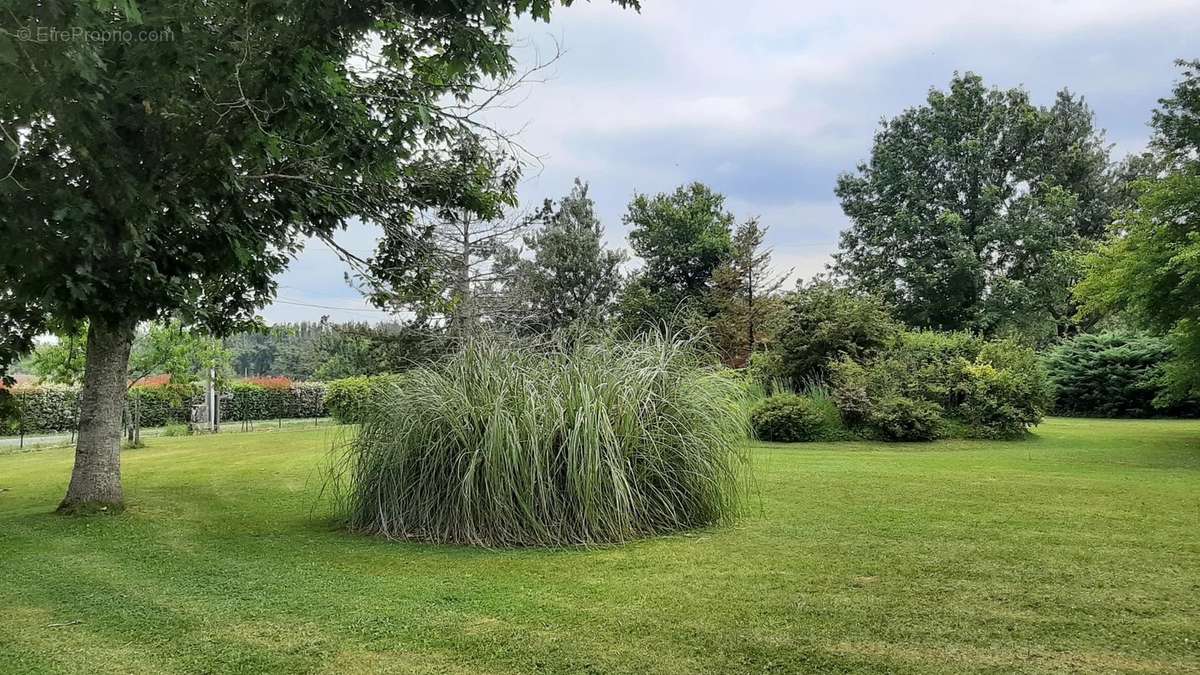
(682, 237)
(570, 278)
(144, 178)
(1149, 270)
(972, 208)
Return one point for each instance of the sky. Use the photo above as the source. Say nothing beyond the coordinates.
(767, 101)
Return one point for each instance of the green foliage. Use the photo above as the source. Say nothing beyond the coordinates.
(293, 400)
(746, 309)
(789, 418)
(1110, 375)
(991, 389)
(61, 362)
(352, 400)
(971, 208)
(307, 400)
(996, 402)
(326, 350)
(43, 408)
(46, 408)
(683, 237)
(564, 443)
(571, 278)
(900, 418)
(174, 430)
(824, 323)
(163, 404)
(1149, 270)
(183, 353)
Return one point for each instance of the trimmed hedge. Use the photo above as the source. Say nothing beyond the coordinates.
(55, 408)
(163, 405)
(289, 400)
(41, 409)
(350, 400)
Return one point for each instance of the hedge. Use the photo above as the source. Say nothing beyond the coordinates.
(348, 400)
(252, 401)
(54, 408)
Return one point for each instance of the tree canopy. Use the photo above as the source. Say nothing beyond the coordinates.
(571, 277)
(176, 177)
(1149, 269)
(972, 206)
(682, 237)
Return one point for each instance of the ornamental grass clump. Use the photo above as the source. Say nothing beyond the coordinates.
(550, 445)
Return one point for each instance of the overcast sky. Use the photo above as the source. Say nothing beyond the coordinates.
(768, 100)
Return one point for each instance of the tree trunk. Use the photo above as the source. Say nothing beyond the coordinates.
(96, 478)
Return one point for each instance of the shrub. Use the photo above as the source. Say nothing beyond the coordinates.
(559, 444)
(899, 418)
(252, 401)
(986, 389)
(1004, 392)
(1111, 375)
(788, 418)
(10, 412)
(351, 399)
(825, 323)
(993, 403)
(48, 408)
(272, 398)
(177, 430)
(307, 400)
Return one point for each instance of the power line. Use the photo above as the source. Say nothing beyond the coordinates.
(285, 301)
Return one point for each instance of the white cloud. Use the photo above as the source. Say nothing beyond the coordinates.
(770, 99)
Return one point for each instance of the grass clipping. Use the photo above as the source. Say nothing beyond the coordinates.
(550, 445)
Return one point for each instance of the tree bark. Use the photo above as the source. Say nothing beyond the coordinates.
(96, 478)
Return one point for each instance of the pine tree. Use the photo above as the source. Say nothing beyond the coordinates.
(744, 288)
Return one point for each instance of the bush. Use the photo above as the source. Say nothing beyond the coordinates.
(350, 400)
(177, 430)
(1004, 392)
(250, 401)
(899, 418)
(307, 400)
(988, 389)
(788, 418)
(1111, 375)
(825, 323)
(50, 408)
(559, 444)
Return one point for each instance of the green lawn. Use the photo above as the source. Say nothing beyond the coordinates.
(1077, 550)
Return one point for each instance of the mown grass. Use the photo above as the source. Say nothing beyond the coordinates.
(1077, 550)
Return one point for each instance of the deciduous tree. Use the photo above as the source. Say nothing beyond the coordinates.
(972, 206)
(141, 179)
(682, 237)
(1149, 269)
